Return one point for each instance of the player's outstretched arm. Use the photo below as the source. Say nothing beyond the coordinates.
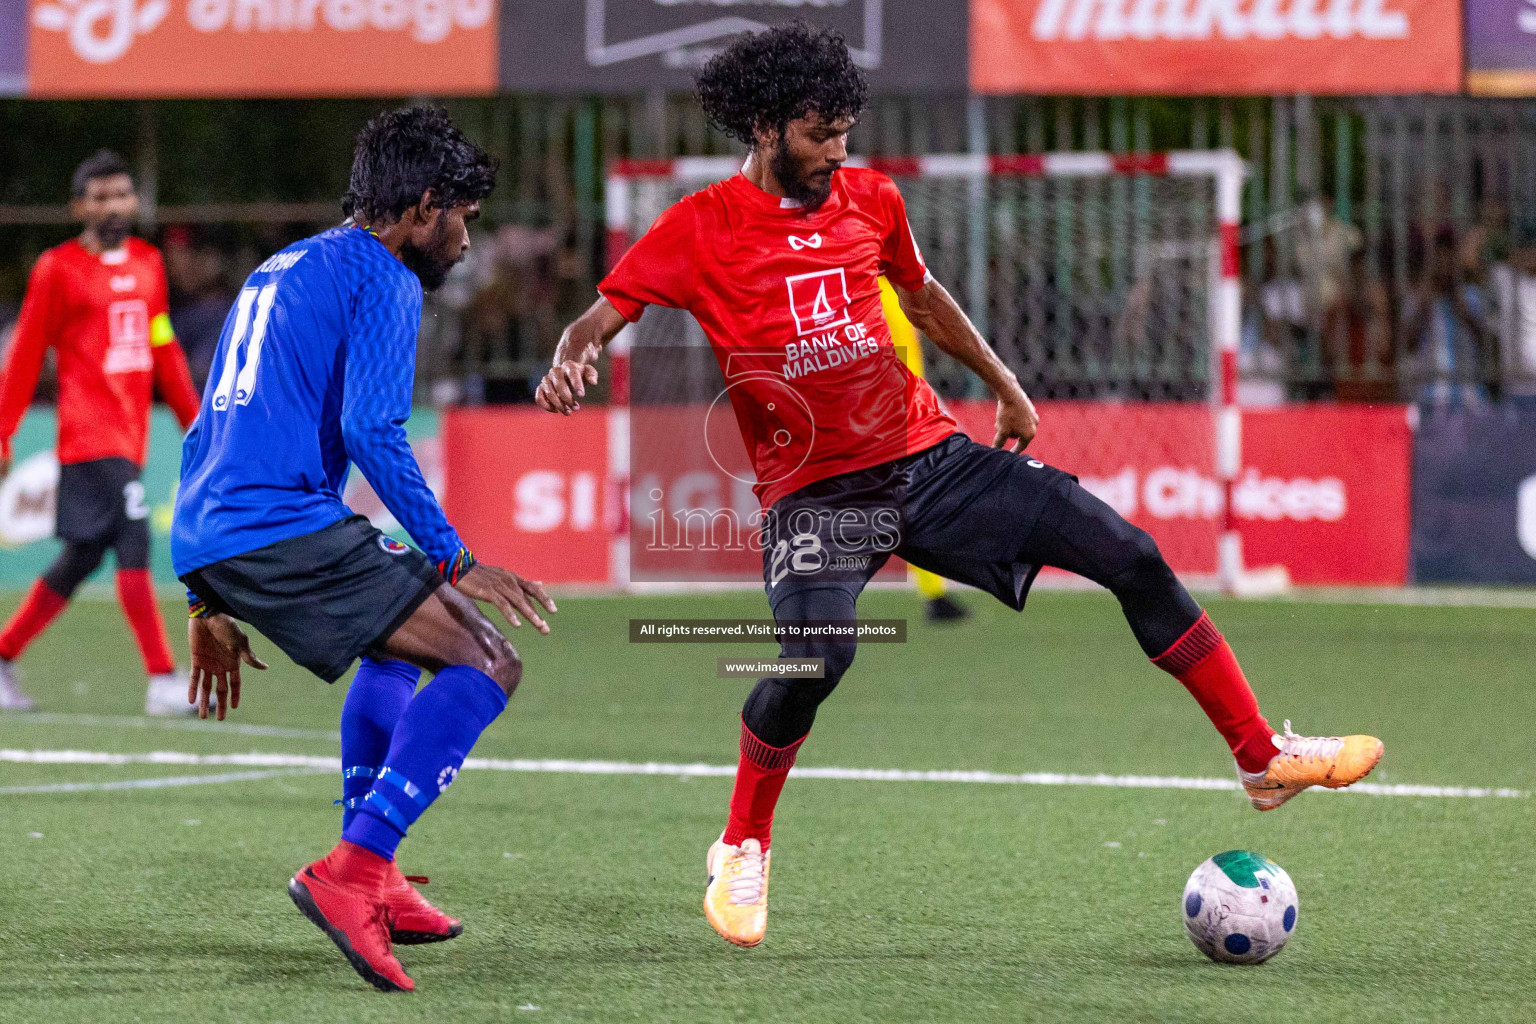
(574, 369)
(218, 645)
(935, 312)
(509, 592)
(23, 362)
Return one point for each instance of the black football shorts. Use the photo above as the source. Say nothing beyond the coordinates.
(960, 509)
(98, 500)
(324, 598)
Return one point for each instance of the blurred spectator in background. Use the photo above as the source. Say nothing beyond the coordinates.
(1487, 243)
(512, 322)
(1357, 337)
(1324, 246)
(1445, 331)
(1514, 284)
(1278, 346)
(200, 295)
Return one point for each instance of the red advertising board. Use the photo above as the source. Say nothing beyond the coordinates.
(529, 491)
(1152, 462)
(1328, 492)
(1215, 47)
(1324, 491)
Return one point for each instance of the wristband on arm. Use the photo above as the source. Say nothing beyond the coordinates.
(453, 569)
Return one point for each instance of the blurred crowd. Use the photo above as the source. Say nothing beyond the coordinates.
(487, 335)
(1446, 319)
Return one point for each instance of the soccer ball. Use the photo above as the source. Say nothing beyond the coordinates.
(1239, 907)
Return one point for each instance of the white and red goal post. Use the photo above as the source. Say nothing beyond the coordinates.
(1097, 276)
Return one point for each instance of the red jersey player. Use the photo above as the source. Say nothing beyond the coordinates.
(855, 459)
(100, 301)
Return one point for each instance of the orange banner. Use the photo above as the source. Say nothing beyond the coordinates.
(1215, 47)
(109, 48)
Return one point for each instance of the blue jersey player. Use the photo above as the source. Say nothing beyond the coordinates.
(314, 371)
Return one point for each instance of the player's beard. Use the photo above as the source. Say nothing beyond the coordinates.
(111, 231)
(423, 261)
(809, 190)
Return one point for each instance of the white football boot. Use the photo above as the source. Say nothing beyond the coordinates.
(167, 696)
(12, 696)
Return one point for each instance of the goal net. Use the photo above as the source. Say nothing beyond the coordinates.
(1107, 283)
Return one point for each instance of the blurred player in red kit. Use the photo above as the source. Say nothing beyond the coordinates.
(100, 301)
(855, 458)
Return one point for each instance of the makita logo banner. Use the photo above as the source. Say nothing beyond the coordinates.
(1215, 46)
(1217, 19)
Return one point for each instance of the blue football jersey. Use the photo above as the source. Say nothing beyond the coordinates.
(314, 369)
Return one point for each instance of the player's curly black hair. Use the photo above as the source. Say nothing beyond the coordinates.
(403, 153)
(769, 78)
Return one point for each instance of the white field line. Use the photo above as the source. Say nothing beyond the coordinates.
(565, 767)
(1431, 596)
(1422, 597)
(188, 724)
(168, 782)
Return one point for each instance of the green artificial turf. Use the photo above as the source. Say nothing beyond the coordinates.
(892, 901)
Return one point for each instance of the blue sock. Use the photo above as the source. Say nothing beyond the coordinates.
(434, 736)
(375, 701)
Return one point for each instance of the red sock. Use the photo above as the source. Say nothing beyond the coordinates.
(760, 775)
(1202, 660)
(136, 593)
(41, 607)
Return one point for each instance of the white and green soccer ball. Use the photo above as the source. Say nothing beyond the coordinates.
(1240, 907)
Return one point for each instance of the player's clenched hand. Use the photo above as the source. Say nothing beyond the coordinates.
(509, 592)
(218, 645)
(1016, 420)
(564, 386)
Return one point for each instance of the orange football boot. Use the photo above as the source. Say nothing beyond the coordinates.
(1306, 761)
(736, 895)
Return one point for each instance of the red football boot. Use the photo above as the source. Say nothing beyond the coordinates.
(412, 920)
(343, 894)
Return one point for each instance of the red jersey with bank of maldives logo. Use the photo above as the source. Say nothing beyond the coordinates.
(790, 302)
(106, 314)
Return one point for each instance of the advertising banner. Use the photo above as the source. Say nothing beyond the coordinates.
(13, 47)
(1154, 463)
(27, 499)
(1215, 47)
(28, 494)
(1474, 496)
(211, 48)
(1325, 491)
(1501, 47)
(530, 491)
(629, 46)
